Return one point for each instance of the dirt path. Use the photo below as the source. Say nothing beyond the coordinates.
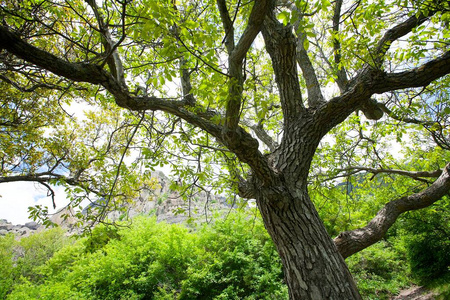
(415, 293)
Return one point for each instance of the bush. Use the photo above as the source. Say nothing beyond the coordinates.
(99, 236)
(239, 261)
(380, 271)
(32, 252)
(427, 242)
(230, 259)
(7, 244)
(56, 290)
(21, 261)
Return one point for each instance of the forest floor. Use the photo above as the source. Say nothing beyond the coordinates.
(415, 293)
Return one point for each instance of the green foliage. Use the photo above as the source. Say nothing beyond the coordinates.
(229, 259)
(239, 262)
(56, 290)
(33, 251)
(232, 258)
(21, 261)
(99, 236)
(7, 244)
(380, 271)
(427, 243)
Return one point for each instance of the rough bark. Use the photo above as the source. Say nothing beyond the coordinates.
(313, 267)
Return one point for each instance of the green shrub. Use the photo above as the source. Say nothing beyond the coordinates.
(7, 244)
(147, 255)
(239, 262)
(429, 256)
(426, 239)
(99, 236)
(56, 290)
(21, 261)
(380, 271)
(231, 259)
(34, 251)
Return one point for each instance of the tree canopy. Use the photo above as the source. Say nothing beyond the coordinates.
(266, 99)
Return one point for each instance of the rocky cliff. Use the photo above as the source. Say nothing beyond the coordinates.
(165, 204)
(18, 230)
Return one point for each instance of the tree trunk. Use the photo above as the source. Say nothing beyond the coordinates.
(313, 268)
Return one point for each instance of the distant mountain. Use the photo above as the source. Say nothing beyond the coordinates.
(165, 204)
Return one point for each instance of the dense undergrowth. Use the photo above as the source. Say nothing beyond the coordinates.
(230, 258)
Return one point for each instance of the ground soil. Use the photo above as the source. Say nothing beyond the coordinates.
(415, 293)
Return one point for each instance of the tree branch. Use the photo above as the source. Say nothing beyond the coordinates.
(186, 86)
(262, 135)
(80, 72)
(412, 174)
(233, 109)
(394, 34)
(259, 11)
(341, 73)
(281, 45)
(315, 97)
(227, 24)
(372, 81)
(240, 142)
(112, 57)
(351, 242)
(417, 77)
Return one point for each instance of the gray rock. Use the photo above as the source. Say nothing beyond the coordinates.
(32, 225)
(3, 232)
(25, 231)
(6, 226)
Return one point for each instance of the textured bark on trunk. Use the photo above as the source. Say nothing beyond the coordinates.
(313, 268)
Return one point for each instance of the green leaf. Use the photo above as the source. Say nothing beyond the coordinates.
(306, 44)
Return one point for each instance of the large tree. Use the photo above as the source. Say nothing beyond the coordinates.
(261, 85)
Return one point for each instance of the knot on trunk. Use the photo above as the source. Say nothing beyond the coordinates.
(371, 109)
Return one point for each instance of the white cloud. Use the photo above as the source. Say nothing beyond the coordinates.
(16, 197)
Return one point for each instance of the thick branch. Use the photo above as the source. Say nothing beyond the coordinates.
(80, 72)
(259, 11)
(417, 77)
(394, 34)
(40, 177)
(227, 24)
(372, 81)
(315, 97)
(341, 73)
(44, 177)
(112, 57)
(351, 242)
(411, 174)
(262, 135)
(281, 45)
(186, 83)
